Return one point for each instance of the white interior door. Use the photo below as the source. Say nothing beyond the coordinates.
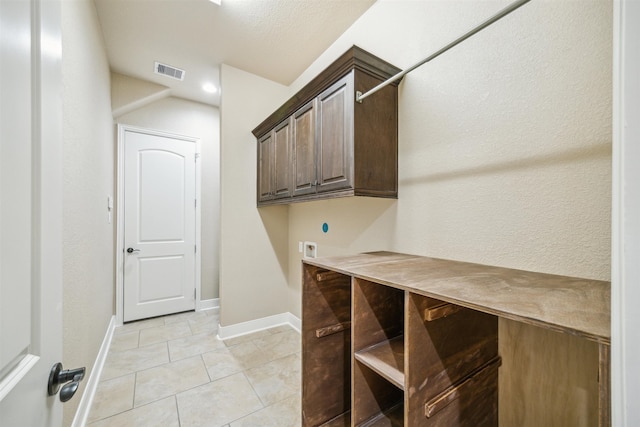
(30, 211)
(159, 224)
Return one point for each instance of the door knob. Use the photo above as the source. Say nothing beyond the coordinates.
(131, 250)
(70, 378)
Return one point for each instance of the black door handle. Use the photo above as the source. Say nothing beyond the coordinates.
(131, 250)
(58, 376)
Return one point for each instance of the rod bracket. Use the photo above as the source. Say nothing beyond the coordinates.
(358, 95)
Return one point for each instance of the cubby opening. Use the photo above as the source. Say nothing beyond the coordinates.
(452, 366)
(378, 352)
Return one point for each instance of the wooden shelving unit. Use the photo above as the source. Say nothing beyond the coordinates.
(400, 340)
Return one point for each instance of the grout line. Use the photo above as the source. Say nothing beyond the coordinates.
(205, 367)
(175, 400)
(256, 393)
(130, 410)
(268, 406)
(117, 413)
(135, 381)
(181, 391)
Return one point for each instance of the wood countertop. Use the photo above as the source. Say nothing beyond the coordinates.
(564, 304)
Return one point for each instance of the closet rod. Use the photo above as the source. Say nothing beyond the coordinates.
(504, 12)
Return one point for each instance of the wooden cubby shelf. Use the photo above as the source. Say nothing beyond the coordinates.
(391, 340)
(387, 359)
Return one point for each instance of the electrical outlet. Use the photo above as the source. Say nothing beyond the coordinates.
(310, 249)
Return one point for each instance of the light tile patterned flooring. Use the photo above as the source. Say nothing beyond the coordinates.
(174, 371)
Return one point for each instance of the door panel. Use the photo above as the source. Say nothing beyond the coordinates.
(265, 164)
(164, 171)
(282, 160)
(304, 150)
(15, 185)
(165, 273)
(30, 212)
(159, 230)
(335, 140)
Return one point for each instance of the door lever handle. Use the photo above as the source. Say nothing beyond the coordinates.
(69, 377)
(68, 390)
(131, 250)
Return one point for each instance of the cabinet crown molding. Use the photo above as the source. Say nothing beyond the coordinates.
(355, 58)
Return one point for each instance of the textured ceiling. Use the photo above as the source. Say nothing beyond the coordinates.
(274, 39)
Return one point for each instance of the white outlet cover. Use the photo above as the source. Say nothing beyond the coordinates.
(310, 250)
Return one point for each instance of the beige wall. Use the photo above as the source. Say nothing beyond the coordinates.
(253, 254)
(202, 121)
(504, 159)
(130, 93)
(88, 177)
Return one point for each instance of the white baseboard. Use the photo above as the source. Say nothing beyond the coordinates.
(82, 413)
(231, 331)
(295, 322)
(209, 304)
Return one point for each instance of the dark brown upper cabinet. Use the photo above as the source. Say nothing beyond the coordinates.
(322, 143)
(274, 164)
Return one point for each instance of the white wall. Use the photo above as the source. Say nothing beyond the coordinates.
(253, 255)
(88, 177)
(202, 121)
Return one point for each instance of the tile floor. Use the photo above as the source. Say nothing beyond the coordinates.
(173, 371)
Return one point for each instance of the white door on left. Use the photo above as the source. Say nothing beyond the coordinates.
(30, 211)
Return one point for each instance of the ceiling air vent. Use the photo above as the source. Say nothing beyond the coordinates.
(169, 71)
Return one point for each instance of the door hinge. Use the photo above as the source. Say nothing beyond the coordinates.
(195, 203)
(196, 157)
(194, 293)
(195, 249)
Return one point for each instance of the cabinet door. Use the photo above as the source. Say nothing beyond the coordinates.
(265, 165)
(304, 150)
(282, 160)
(335, 136)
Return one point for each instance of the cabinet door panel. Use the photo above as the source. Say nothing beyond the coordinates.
(335, 136)
(326, 360)
(282, 160)
(304, 150)
(265, 147)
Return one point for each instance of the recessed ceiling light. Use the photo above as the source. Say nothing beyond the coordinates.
(209, 88)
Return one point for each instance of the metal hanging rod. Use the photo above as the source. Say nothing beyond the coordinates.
(504, 12)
